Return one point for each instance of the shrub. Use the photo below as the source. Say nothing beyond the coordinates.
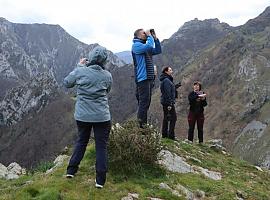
(43, 166)
(131, 147)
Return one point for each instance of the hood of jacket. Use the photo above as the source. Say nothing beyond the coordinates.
(98, 56)
(164, 75)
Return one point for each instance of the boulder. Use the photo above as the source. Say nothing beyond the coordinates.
(174, 162)
(3, 171)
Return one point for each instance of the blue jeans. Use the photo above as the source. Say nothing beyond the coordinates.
(144, 92)
(101, 133)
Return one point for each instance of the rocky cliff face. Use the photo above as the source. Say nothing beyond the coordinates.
(32, 96)
(252, 143)
(235, 73)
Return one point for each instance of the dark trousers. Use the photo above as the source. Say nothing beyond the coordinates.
(143, 94)
(169, 116)
(101, 134)
(192, 119)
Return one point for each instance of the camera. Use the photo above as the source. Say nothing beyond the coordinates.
(152, 31)
(178, 85)
(86, 62)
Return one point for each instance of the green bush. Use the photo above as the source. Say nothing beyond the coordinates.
(43, 166)
(131, 147)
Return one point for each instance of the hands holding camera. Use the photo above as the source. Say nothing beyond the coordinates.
(202, 96)
(83, 61)
(177, 85)
(151, 32)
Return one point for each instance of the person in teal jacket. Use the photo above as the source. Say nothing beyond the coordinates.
(145, 45)
(93, 84)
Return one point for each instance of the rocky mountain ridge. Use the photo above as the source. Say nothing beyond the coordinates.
(28, 49)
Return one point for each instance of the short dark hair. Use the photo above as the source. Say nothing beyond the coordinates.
(198, 83)
(136, 33)
(165, 69)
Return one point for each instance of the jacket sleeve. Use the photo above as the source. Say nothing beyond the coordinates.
(139, 48)
(70, 80)
(204, 102)
(192, 97)
(157, 49)
(110, 83)
(168, 92)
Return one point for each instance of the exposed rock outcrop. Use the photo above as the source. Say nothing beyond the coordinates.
(13, 171)
(175, 163)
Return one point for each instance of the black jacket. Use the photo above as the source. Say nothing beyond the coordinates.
(196, 105)
(167, 89)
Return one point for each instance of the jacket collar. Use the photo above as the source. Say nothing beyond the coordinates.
(138, 40)
(164, 75)
(96, 67)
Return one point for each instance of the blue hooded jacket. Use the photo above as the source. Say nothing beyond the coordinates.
(142, 52)
(93, 84)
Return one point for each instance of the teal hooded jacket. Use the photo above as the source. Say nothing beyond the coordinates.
(93, 84)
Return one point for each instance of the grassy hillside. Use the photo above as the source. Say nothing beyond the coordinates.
(238, 179)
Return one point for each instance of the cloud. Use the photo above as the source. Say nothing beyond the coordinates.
(112, 23)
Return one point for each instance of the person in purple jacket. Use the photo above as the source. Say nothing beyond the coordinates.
(197, 102)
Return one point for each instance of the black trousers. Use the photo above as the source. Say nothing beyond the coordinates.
(168, 124)
(101, 134)
(192, 119)
(143, 94)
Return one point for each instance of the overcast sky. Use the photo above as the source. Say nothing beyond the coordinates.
(111, 23)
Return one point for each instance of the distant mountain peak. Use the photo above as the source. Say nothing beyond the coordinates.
(266, 12)
(2, 19)
(197, 21)
(259, 23)
(201, 27)
(198, 25)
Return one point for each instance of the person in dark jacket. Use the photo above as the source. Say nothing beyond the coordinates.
(93, 83)
(197, 102)
(145, 45)
(167, 99)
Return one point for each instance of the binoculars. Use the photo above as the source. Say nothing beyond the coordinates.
(152, 31)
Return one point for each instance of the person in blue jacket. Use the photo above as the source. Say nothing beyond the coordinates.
(167, 99)
(145, 45)
(93, 83)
